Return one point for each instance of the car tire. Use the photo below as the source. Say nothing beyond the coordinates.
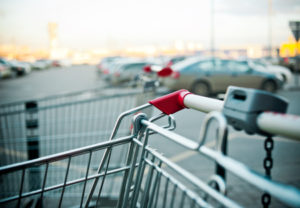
(201, 88)
(269, 86)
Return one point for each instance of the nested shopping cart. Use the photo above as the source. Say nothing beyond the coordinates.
(144, 177)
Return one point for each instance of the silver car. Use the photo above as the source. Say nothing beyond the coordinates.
(208, 76)
(127, 71)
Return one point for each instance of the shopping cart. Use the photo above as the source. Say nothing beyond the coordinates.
(44, 126)
(146, 178)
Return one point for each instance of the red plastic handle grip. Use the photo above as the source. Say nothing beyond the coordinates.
(170, 103)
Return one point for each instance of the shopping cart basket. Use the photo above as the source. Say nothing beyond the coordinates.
(46, 125)
(145, 178)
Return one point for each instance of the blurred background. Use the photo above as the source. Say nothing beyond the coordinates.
(111, 37)
(83, 32)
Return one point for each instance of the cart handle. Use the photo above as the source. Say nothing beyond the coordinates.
(286, 125)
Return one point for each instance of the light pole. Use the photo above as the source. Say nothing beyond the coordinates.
(270, 27)
(212, 37)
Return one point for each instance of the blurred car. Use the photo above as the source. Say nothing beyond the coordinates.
(15, 68)
(21, 68)
(293, 63)
(276, 69)
(107, 69)
(4, 71)
(41, 64)
(27, 66)
(206, 76)
(56, 63)
(61, 63)
(103, 66)
(127, 71)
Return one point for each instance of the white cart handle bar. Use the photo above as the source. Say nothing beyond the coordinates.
(274, 123)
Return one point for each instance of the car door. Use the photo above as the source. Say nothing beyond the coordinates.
(242, 75)
(200, 70)
(221, 75)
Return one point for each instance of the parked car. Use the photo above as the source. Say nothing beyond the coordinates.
(206, 76)
(27, 66)
(267, 66)
(293, 63)
(41, 64)
(103, 66)
(15, 69)
(61, 63)
(21, 68)
(127, 71)
(4, 71)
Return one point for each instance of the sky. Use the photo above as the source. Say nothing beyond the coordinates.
(90, 24)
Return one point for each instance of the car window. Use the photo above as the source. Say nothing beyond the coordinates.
(134, 67)
(236, 66)
(203, 66)
(184, 64)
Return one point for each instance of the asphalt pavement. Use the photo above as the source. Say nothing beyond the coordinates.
(245, 148)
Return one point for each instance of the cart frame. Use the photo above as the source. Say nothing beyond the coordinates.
(144, 166)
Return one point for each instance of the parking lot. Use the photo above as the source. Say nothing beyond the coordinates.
(247, 149)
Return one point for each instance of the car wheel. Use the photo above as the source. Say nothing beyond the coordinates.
(269, 86)
(201, 88)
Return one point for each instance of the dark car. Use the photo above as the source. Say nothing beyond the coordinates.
(293, 63)
(211, 76)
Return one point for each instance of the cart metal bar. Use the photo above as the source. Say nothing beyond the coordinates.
(65, 182)
(86, 177)
(63, 155)
(178, 184)
(203, 104)
(53, 106)
(21, 188)
(108, 151)
(69, 183)
(51, 97)
(280, 124)
(285, 193)
(188, 176)
(44, 182)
